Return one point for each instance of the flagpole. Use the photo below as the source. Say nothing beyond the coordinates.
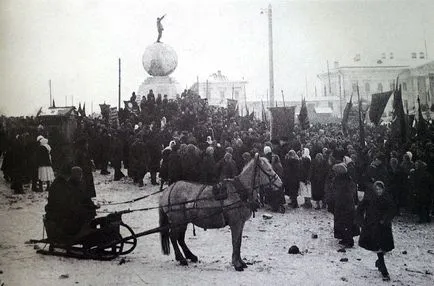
(51, 99)
(328, 74)
(283, 98)
(361, 127)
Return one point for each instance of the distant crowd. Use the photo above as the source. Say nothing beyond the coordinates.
(186, 139)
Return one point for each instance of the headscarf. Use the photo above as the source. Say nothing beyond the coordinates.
(305, 153)
(44, 142)
(267, 150)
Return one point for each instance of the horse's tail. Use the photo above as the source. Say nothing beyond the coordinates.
(164, 233)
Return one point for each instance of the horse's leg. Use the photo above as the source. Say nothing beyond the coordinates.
(181, 240)
(174, 236)
(241, 239)
(236, 231)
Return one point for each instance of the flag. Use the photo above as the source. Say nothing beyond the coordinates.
(84, 109)
(303, 117)
(54, 104)
(79, 108)
(264, 113)
(346, 115)
(399, 126)
(361, 124)
(378, 103)
(281, 121)
(232, 106)
(421, 123)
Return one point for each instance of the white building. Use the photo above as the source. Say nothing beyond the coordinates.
(418, 80)
(340, 81)
(217, 88)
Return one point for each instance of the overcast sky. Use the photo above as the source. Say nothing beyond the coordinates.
(77, 43)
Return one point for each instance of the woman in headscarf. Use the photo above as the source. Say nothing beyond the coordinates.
(291, 176)
(375, 213)
(305, 186)
(43, 160)
(344, 207)
(319, 175)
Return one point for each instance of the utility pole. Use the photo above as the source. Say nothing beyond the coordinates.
(328, 74)
(119, 88)
(270, 52)
(270, 48)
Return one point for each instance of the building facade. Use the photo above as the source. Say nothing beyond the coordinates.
(418, 81)
(370, 77)
(217, 88)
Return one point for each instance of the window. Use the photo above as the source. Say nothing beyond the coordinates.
(367, 88)
(380, 87)
(404, 86)
(354, 86)
(330, 104)
(391, 85)
(222, 94)
(236, 94)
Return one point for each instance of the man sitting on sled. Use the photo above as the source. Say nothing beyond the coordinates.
(69, 211)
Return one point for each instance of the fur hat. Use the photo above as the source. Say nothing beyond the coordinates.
(340, 168)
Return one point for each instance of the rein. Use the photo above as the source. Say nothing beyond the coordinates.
(134, 200)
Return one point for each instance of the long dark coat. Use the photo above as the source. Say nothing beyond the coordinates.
(82, 160)
(318, 178)
(69, 207)
(344, 207)
(423, 186)
(138, 159)
(398, 181)
(174, 167)
(164, 167)
(153, 149)
(227, 169)
(209, 171)
(305, 169)
(376, 214)
(291, 176)
(42, 157)
(116, 152)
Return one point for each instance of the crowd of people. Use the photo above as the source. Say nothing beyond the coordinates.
(186, 139)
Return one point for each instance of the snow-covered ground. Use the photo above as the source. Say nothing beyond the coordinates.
(265, 249)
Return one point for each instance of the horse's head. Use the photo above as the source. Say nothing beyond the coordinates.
(265, 175)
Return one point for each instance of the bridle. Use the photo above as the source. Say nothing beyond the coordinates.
(245, 194)
(271, 178)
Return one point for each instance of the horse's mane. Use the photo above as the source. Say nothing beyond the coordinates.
(252, 161)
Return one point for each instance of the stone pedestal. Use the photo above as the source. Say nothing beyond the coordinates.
(159, 85)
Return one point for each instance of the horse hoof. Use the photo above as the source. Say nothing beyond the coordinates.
(239, 268)
(244, 265)
(193, 259)
(183, 262)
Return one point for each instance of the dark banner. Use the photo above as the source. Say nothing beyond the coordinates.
(399, 126)
(378, 103)
(282, 121)
(232, 106)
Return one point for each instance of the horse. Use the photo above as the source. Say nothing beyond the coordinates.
(188, 202)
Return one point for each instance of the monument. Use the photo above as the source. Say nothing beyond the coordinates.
(159, 60)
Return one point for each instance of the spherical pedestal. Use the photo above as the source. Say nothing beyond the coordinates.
(159, 59)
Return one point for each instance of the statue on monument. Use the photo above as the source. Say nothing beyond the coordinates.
(160, 28)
